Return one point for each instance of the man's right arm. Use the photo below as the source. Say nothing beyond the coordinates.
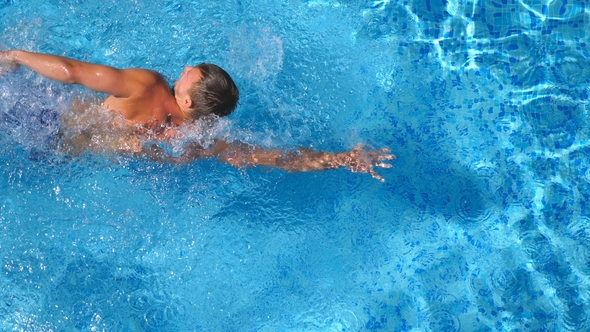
(122, 83)
(302, 160)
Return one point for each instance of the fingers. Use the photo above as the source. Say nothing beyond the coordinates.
(360, 160)
(376, 176)
(359, 147)
(378, 160)
(386, 157)
(4, 56)
(384, 165)
(7, 67)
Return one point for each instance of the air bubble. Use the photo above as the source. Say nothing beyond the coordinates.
(155, 317)
(140, 300)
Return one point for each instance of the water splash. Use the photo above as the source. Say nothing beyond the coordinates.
(260, 61)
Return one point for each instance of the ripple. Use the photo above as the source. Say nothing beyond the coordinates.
(575, 318)
(438, 87)
(479, 286)
(579, 230)
(140, 300)
(425, 258)
(384, 20)
(549, 116)
(423, 227)
(84, 314)
(9, 303)
(505, 282)
(575, 73)
(86, 276)
(388, 78)
(443, 320)
(61, 296)
(156, 318)
(581, 259)
(414, 221)
(558, 200)
(375, 28)
(113, 323)
(175, 311)
(363, 237)
(471, 207)
(34, 299)
(441, 296)
(537, 247)
(346, 320)
(545, 312)
(488, 176)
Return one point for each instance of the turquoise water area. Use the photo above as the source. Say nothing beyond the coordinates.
(482, 224)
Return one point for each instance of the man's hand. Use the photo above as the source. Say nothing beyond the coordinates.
(6, 56)
(7, 63)
(362, 161)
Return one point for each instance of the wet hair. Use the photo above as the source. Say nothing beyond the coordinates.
(216, 93)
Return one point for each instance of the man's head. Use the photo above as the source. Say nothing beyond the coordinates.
(206, 89)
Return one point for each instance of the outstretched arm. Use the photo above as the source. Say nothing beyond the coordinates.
(302, 160)
(99, 78)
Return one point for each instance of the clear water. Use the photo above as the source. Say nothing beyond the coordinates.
(482, 225)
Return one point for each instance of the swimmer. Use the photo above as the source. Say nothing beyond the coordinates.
(144, 99)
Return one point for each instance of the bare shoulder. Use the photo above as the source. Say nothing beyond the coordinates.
(144, 80)
(142, 75)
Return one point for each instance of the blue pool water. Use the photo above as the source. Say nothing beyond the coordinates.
(482, 224)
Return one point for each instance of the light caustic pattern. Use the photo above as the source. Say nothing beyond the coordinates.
(482, 224)
(518, 73)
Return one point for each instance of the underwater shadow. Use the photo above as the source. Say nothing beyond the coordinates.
(449, 162)
(431, 181)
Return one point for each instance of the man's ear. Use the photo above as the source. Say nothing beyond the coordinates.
(187, 102)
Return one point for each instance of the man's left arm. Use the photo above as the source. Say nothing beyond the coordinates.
(106, 79)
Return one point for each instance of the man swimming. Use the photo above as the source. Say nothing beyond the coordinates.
(144, 99)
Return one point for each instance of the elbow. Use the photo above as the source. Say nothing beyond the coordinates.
(68, 74)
